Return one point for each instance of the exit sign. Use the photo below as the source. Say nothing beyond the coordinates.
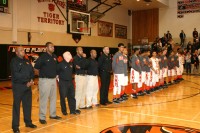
(3, 3)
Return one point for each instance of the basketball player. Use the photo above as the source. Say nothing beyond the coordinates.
(143, 74)
(118, 70)
(170, 67)
(161, 60)
(155, 70)
(124, 96)
(147, 66)
(165, 67)
(135, 72)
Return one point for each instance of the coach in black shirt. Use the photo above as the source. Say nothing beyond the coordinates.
(66, 87)
(92, 80)
(80, 64)
(46, 64)
(105, 68)
(22, 79)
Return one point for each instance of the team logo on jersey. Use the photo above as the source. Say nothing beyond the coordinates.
(121, 58)
(125, 60)
(149, 128)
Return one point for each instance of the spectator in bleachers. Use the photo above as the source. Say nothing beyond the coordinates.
(164, 40)
(169, 35)
(195, 35)
(182, 37)
(194, 62)
(188, 62)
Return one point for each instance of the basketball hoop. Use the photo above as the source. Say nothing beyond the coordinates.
(81, 29)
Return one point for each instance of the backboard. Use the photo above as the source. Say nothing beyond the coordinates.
(79, 22)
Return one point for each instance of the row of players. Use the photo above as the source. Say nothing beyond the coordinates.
(149, 71)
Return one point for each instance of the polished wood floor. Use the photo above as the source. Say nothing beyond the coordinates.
(177, 105)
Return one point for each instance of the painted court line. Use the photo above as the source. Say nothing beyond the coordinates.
(60, 121)
(196, 116)
(78, 124)
(166, 117)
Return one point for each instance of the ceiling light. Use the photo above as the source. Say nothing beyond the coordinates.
(138, 0)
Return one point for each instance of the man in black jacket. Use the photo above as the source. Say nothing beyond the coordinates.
(105, 68)
(22, 80)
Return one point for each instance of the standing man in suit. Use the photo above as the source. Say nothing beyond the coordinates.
(105, 68)
(22, 79)
(182, 37)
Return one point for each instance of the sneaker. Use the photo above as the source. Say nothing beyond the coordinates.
(169, 83)
(140, 93)
(152, 90)
(134, 96)
(124, 98)
(120, 99)
(148, 92)
(115, 100)
(165, 86)
(125, 95)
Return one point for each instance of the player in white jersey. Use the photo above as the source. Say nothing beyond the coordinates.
(155, 69)
(181, 63)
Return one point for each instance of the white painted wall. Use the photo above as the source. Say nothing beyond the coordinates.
(168, 21)
(27, 21)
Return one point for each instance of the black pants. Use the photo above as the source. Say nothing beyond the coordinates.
(66, 89)
(21, 93)
(105, 83)
(182, 42)
(188, 67)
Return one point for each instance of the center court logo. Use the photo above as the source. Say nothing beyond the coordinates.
(149, 128)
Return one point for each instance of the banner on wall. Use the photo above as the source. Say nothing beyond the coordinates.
(49, 14)
(34, 51)
(187, 6)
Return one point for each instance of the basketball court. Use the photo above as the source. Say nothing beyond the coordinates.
(175, 110)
